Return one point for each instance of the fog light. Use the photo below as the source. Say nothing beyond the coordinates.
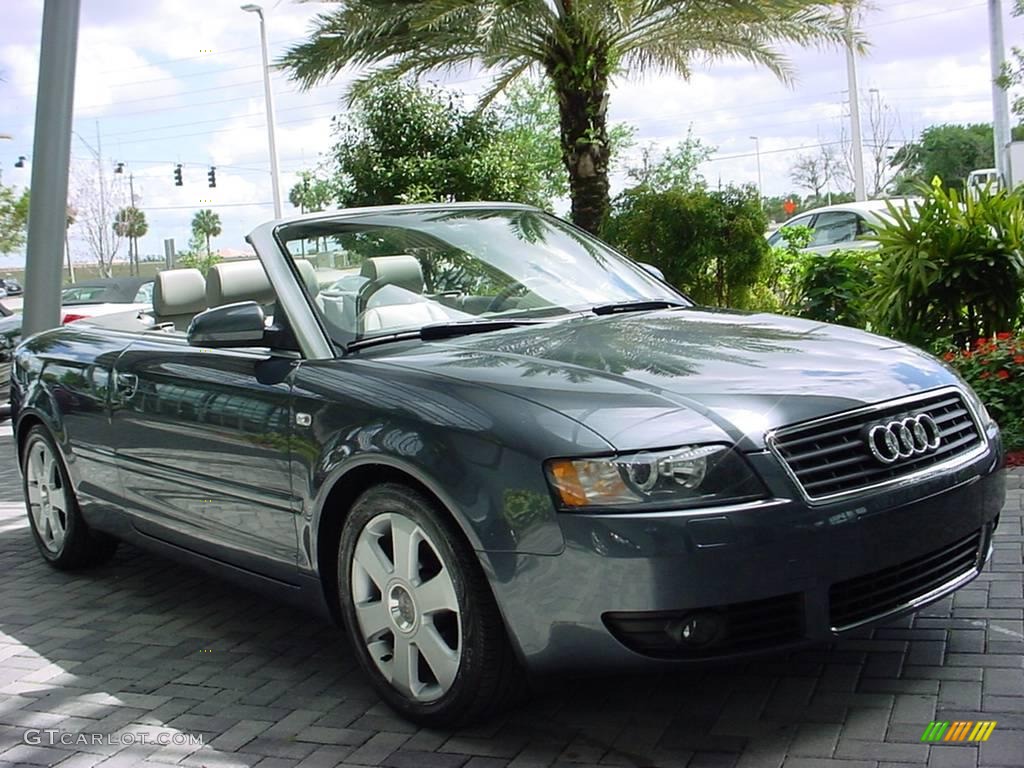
(697, 630)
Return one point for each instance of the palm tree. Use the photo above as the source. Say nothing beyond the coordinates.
(579, 45)
(131, 223)
(206, 224)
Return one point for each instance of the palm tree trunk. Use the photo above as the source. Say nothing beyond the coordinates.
(208, 254)
(583, 114)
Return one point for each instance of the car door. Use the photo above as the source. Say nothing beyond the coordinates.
(203, 450)
(834, 230)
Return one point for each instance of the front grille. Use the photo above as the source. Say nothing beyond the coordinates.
(751, 626)
(830, 456)
(866, 597)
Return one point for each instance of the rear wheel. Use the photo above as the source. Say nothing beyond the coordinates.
(62, 536)
(420, 613)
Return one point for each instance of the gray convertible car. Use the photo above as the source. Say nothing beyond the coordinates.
(507, 448)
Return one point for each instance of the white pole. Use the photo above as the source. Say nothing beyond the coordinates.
(269, 99)
(757, 152)
(51, 155)
(1000, 105)
(859, 192)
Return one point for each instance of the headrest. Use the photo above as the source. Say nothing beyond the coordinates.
(232, 281)
(403, 271)
(308, 274)
(179, 292)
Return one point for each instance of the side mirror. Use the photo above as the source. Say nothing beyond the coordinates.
(652, 270)
(233, 325)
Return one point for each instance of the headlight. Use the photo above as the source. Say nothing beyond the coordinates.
(694, 475)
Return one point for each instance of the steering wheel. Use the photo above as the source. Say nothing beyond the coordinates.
(506, 293)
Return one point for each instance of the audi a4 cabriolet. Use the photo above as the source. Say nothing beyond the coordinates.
(505, 447)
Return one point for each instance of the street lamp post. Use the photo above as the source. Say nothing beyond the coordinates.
(269, 98)
(757, 152)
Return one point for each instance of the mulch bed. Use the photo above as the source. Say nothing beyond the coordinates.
(1015, 459)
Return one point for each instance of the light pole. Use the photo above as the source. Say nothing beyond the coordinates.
(269, 98)
(859, 192)
(757, 151)
(1000, 105)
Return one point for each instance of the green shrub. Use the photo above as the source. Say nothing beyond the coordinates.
(833, 287)
(776, 289)
(950, 267)
(994, 367)
(709, 244)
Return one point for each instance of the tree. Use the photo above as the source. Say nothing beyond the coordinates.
(131, 223)
(948, 151)
(816, 172)
(403, 143)
(70, 216)
(674, 168)
(13, 219)
(709, 243)
(311, 193)
(95, 197)
(206, 224)
(578, 45)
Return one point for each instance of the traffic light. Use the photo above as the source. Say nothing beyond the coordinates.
(119, 168)
(21, 162)
(212, 176)
(178, 182)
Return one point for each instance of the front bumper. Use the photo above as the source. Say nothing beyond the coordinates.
(777, 574)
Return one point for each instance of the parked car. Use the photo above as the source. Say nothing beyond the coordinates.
(11, 287)
(79, 301)
(515, 451)
(840, 226)
(111, 290)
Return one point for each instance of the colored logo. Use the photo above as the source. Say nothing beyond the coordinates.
(960, 730)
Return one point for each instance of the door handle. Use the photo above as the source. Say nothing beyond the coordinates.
(126, 384)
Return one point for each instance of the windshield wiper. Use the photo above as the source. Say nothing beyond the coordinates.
(437, 331)
(643, 305)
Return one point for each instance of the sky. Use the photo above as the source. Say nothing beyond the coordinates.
(161, 82)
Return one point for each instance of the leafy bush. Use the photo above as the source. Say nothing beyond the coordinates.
(994, 367)
(708, 243)
(951, 266)
(832, 287)
(776, 286)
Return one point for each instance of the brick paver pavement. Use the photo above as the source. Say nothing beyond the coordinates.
(149, 648)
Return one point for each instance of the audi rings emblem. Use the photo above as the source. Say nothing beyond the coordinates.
(904, 438)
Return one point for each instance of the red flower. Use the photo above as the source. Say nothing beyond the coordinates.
(985, 374)
(949, 356)
(1003, 335)
(1019, 359)
(966, 354)
(980, 342)
(1003, 374)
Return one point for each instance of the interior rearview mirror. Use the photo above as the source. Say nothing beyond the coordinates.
(233, 325)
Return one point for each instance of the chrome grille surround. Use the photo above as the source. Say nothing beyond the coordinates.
(849, 448)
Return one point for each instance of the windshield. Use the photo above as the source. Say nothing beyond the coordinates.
(405, 269)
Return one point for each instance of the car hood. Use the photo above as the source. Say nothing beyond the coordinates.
(652, 379)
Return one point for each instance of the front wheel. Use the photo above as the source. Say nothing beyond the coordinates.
(420, 613)
(61, 535)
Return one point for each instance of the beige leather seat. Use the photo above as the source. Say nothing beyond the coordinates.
(308, 274)
(178, 295)
(233, 281)
(404, 272)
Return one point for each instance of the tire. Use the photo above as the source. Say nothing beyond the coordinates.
(434, 608)
(61, 535)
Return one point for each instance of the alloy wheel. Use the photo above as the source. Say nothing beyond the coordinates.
(406, 607)
(47, 496)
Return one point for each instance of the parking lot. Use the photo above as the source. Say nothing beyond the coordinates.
(142, 650)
